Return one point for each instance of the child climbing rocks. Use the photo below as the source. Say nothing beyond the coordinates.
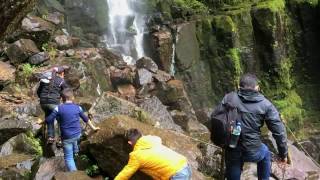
(68, 115)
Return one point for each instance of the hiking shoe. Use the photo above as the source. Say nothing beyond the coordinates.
(59, 143)
(50, 140)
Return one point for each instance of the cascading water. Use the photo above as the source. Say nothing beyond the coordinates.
(126, 29)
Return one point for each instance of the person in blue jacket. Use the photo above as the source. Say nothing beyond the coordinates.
(69, 115)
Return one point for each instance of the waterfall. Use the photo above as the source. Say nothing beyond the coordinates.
(172, 68)
(126, 29)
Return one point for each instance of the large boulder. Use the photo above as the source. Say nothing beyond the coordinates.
(21, 144)
(13, 12)
(109, 105)
(162, 43)
(147, 63)
(47, 168)
(109, 147)
(7, 74)
(174, 95)
(63, 41)
(39, 58)
(21, 50)
(16, 166)
(143, 77)
(10, 128)
(37, 24)
(159, 112)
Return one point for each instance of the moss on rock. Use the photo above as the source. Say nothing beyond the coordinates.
(273, 5)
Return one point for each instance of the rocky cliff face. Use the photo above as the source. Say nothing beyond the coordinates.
(13, 12)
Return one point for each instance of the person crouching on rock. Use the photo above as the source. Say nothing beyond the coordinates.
(154, 159)
(68, 115)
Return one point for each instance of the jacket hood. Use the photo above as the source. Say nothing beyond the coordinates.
(147, 142)
(248, 95)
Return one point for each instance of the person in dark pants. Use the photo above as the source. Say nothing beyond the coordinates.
(49, 92)
(68, 115)
(255, 111)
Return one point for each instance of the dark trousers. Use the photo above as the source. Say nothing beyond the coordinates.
(235, 159)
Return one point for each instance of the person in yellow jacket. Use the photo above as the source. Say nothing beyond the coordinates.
(150, 156)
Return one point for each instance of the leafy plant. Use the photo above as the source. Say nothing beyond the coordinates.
(26, 72)
(93, 170)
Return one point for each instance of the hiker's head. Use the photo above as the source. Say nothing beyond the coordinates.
(249, 81)
(132, 135)
(67, 95)
(60, 70)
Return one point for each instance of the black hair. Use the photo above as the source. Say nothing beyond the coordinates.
(248, 81)
(133, 135)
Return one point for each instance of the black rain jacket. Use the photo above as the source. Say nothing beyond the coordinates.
(256, 110)
(50, 93)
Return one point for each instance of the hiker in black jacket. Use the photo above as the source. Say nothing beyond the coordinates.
(49, 92)
(255, 111)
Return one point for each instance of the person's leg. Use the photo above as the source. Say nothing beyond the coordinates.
(233, 163)
(183, 174)
(76, 146)
(68, 154)
(263, 159)
(264, 166)
(48, 108)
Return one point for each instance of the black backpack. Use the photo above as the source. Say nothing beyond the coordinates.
(224, 116)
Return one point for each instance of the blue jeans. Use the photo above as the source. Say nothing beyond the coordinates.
(70, 147)
(48, 108)
(184, 174)
(235, 159)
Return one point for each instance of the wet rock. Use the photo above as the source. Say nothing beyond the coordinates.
(21, 144)
(37, 24)
(49, 167)
(127, 90)
(7, 74)
(21, 50)
(70, 52)
(162, 76)
(302, 166)
(159, 113)
(193, 127)
(147, 63)
(39, 58)
(63, 41)
(15, 166)
(143, 76)
(14, 11)
(210, 161)
(109, 147)
(174, 95)
(10, 128)
(50, 5)
(56, 18)
(119, 76)
(78, 175)
(162, 42)
(310, 147)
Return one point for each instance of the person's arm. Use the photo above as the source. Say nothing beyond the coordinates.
(50, 119)
(87, 120)
(276, 126)
(132, 167)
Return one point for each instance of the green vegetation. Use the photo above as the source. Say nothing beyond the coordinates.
(273, 5)
(225, 23)
(93, 170)
(34, 142)
(25, 73)
(234, 55)
(192, 5)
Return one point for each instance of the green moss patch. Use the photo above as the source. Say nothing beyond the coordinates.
(192, 5)
(273, 5)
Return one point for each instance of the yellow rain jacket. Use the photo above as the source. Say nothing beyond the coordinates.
(152, 158)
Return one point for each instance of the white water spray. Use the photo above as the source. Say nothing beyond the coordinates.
(126, 29)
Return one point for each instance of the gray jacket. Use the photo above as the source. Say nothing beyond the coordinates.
(256, 110)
